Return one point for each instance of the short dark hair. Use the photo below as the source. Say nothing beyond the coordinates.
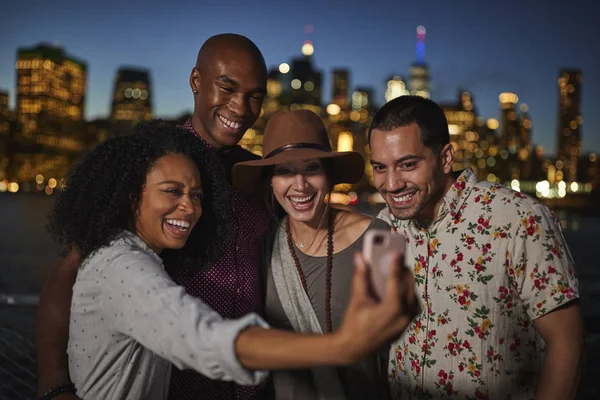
(406, 110)
(103, 192)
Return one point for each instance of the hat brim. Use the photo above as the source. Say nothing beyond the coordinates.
(349, 167)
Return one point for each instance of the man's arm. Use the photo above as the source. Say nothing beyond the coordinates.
(52, 326)
(562, 330)
(544, 272)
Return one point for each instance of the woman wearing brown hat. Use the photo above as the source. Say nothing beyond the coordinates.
(308, 256)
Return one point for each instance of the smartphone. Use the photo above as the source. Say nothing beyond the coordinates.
(379, 246)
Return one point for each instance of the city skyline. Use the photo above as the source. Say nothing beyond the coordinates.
(388, 51)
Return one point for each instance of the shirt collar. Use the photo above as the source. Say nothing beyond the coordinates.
(458, 193)
(132, 239)
(224, 151)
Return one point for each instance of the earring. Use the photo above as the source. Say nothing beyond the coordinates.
(195, 91)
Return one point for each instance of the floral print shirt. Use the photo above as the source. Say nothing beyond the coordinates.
(493, 261)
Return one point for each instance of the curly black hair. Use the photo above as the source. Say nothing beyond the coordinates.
(102, 194)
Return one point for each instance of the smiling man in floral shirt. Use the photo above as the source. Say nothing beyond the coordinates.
(501, 316)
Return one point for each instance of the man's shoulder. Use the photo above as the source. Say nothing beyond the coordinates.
(239, 154)
(248, 155)
(505, 202)
(384, 215)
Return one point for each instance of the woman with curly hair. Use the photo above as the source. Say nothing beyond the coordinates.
(129, 201)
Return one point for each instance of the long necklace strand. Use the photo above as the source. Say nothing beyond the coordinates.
(327, 271)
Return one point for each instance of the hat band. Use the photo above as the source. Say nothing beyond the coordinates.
(293, 146)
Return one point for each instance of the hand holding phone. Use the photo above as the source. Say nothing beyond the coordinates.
(379, 247)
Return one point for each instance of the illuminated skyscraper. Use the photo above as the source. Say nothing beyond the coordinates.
(340, 91)
(418, 82)
(131, 96)
(305, 82)
(525, 154)
(50, 86)
(272, 101)
(461, 118)
(569, 122)
(50, 134)
(274, 81)
(5, 122)
(509, 124)
(4, 114)
(525, 128)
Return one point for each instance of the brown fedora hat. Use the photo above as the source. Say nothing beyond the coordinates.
(293, 136)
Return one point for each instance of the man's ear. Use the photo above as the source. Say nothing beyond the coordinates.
(195, 80)
(447, 158)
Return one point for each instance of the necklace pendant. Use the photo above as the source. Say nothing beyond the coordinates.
(301, 245)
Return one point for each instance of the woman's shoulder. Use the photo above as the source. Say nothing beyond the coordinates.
(126, 248)
(351, 227)
(378, 223)
(360, 222)
(350, 219)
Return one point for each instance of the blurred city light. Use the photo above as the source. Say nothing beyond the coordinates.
(333, 109)
(307, 48)
(284, 68)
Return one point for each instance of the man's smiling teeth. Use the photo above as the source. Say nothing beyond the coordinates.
(402, 199)
(178, 223)
(231, 124)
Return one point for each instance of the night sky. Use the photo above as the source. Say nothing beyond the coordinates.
(482, 46)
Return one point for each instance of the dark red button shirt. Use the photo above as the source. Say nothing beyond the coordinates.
(232, 286)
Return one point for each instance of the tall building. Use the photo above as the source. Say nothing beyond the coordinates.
(569, 122)
(464, 137)
(395, 87)
(418, 76)
(305, 82)
(272, 100)
(525, 154)
(341, 87)
(588, 171)
(131, 96)
(50, 132)
(5, 124)
(4, 114)
(525, 127)
(509, 124)
(50, 86)
(418, 81)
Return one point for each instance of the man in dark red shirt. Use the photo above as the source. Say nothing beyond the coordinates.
(228, 85)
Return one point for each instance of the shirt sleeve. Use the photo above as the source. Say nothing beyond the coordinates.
(541, 265)
(141, 301)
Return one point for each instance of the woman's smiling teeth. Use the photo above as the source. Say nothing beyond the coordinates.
(229, 123)
(301, 202)
(179, 223)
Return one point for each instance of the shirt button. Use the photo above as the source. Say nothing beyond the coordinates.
(238, 290)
